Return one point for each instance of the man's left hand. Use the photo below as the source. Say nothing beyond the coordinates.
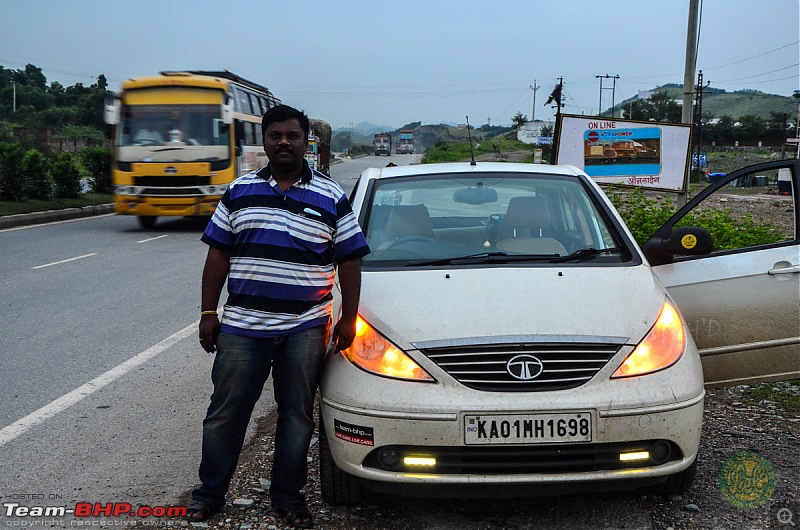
(343, 334)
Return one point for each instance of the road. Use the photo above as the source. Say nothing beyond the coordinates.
(103, 383)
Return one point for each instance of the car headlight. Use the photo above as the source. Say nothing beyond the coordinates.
(661, 348)
(374, 353)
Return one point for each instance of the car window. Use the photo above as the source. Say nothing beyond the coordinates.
(456, 215)
(749, 212)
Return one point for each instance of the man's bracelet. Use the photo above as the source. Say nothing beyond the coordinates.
(207, 313)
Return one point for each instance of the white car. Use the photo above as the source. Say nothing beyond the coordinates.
(512, 333)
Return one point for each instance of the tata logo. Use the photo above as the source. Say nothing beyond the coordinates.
(170, 170)
(524, 367)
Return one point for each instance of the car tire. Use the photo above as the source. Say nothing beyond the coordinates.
(338, 488)
(147, 222)
(678, 483)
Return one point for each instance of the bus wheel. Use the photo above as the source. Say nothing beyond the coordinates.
(147, 221)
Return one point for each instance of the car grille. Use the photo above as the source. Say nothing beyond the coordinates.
(519, 460)
(172, 185)
(486, 367)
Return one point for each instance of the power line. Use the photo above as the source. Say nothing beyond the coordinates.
(759, 75)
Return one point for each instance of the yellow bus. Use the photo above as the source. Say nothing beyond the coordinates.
(180, 138)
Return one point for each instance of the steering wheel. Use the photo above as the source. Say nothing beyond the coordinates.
(146, 141)
(409, 239)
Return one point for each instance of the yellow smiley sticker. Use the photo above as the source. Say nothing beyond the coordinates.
(688, 241)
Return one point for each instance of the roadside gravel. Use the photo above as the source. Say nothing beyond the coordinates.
(733, 423)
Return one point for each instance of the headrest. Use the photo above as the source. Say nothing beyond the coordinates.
(527, 212)
(411, 220)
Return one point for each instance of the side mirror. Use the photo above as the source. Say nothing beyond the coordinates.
(112, 110)
(683, 241)
(227, 110)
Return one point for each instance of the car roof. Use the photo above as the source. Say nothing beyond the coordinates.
(466, 167)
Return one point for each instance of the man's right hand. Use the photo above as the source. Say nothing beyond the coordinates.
(209, 329)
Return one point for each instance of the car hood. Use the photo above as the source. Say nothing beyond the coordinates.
(428, 305)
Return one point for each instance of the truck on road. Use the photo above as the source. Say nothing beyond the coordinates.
(383, 144)
(318, 153)
(406, 143)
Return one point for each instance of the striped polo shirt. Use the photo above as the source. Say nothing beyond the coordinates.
(283, 247)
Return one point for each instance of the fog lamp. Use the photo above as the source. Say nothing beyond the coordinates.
(390, 458)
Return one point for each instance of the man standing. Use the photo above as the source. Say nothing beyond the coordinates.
(275, 236)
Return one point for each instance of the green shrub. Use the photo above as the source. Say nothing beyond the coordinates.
(36, 173)
(97, 161)
(644, 215)
(67, 176)
(12, 182)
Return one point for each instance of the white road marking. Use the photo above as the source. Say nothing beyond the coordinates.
(9, 433)
(26, 227)
(64, 261)
(152, 238)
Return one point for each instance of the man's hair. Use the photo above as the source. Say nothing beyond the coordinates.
(284, 113)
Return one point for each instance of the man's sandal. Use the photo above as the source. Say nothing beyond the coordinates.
(296, 516)
(199, 511)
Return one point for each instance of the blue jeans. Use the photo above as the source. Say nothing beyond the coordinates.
(241, 368)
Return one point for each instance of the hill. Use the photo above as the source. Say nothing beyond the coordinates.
(718, 102)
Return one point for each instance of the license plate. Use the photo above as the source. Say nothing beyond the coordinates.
(527, 428)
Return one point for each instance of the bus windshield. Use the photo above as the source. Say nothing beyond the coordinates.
(172, 133)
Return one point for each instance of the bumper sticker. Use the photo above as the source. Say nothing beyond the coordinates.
(353, 433)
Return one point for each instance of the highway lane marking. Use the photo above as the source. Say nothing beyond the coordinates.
(152, 238)
(26, 227)
(64, 261)
(11, 432)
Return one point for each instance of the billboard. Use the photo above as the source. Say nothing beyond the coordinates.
(647, 154)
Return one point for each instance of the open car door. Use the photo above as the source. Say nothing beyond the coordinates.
(741, 302)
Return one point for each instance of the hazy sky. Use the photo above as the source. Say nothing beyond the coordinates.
(400, 61)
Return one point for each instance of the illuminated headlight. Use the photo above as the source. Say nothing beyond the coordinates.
(374, 353)
(661, 348)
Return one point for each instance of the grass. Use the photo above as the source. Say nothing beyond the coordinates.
(31, 206)
(785, 395)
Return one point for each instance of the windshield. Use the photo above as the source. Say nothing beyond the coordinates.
(495, 218)
(172, 133)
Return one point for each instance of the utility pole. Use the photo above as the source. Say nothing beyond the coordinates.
(688, 78)
(697, 122)
(535, 87)
(796, 96)
(613, 90)
(556, 96)
(14, 90)
(691, 61)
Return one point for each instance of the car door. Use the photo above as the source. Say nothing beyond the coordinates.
(741, 302)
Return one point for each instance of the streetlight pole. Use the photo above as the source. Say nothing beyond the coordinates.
(14, 91)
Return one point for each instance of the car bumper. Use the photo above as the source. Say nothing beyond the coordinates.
(676, 425)
(185, 207)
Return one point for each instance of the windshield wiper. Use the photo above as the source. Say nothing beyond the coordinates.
(483, 257)
(585, 253)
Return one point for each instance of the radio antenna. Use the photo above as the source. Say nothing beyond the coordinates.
(472, 152)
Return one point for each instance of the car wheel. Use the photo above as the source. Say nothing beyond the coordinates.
(338, 488)
(147, 221)
(678, 483)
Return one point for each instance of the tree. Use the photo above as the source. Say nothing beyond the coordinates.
(519, 120)
(660, 107)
